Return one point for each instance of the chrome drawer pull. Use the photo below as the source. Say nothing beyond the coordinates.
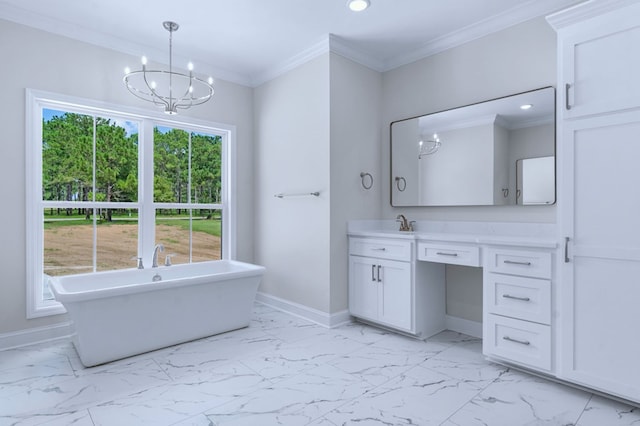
(522, 342)
(513, 262)
(508, 296)
(379, 249)
(439, 253)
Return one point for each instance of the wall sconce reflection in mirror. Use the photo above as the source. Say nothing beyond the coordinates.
(401, 183)
(428, 146)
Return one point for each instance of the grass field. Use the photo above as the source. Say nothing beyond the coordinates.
(68, 243)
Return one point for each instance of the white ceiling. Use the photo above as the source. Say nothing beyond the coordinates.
(251, 41)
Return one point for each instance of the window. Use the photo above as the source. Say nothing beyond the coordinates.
(105, 184)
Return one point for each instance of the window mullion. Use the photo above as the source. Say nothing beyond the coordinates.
(95, 190)
(147, 210)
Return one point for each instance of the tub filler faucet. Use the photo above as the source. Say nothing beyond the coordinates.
(154, 263)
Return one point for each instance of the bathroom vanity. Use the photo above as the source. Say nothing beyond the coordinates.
(397, 280)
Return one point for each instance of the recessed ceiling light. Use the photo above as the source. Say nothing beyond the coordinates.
(526, 106)
(358, 5)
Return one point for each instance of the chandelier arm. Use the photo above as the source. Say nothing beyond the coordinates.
(155, 98)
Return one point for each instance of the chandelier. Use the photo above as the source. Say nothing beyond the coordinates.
(428, 146)
(169, 90)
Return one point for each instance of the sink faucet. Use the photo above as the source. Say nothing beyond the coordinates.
(154, 263)
(404, 225)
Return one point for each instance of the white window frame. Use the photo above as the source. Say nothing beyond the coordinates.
(36, 100)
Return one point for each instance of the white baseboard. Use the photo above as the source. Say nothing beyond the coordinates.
(319, 317)
(35, 335)
(464, 326)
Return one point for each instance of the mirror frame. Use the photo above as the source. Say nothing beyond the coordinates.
(392, 182)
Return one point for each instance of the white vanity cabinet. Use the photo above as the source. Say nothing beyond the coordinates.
(517, 306)
(386, 286)
(599, 199)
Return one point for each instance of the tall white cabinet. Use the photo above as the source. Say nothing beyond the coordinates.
(599, 195)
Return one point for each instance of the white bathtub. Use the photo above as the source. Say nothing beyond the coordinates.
(122, 313)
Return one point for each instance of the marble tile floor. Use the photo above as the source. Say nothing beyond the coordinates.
(283, 370)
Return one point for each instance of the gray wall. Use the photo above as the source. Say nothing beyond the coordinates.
(356, 95)
(292, 156)
(316, 128)
(40, 60)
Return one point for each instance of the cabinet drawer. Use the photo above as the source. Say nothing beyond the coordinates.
(519, 262)
(381, 248)
(518, 297)
(519, 341)
(455, 254)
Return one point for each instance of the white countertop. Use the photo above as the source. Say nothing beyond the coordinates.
(542, 235)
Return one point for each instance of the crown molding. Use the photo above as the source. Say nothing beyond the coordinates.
(506, 19)
(343, 48)
(312, 52)
(584, 11)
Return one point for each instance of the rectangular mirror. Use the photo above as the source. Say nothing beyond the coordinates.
(499, 152)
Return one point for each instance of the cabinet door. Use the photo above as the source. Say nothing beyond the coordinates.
(598, 67)
(395, 307)
(601, 275)
(363, 287)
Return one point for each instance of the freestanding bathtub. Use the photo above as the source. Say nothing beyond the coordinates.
(122, 313)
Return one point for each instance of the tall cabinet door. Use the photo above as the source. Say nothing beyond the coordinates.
(600, 283)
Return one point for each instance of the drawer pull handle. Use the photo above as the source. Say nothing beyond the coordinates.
(508, 296)
(379, 280)
(515, 262)
(379, 249)
(522, 342)
(373, 273)
(567, 104)
(439, 253)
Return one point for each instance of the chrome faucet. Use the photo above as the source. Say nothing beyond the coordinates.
(154, 263)
(404, 225)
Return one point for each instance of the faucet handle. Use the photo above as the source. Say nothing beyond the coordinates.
(167, 259)
(139, 259)
(411, 225)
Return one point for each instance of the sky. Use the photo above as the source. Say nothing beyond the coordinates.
(131, 127)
